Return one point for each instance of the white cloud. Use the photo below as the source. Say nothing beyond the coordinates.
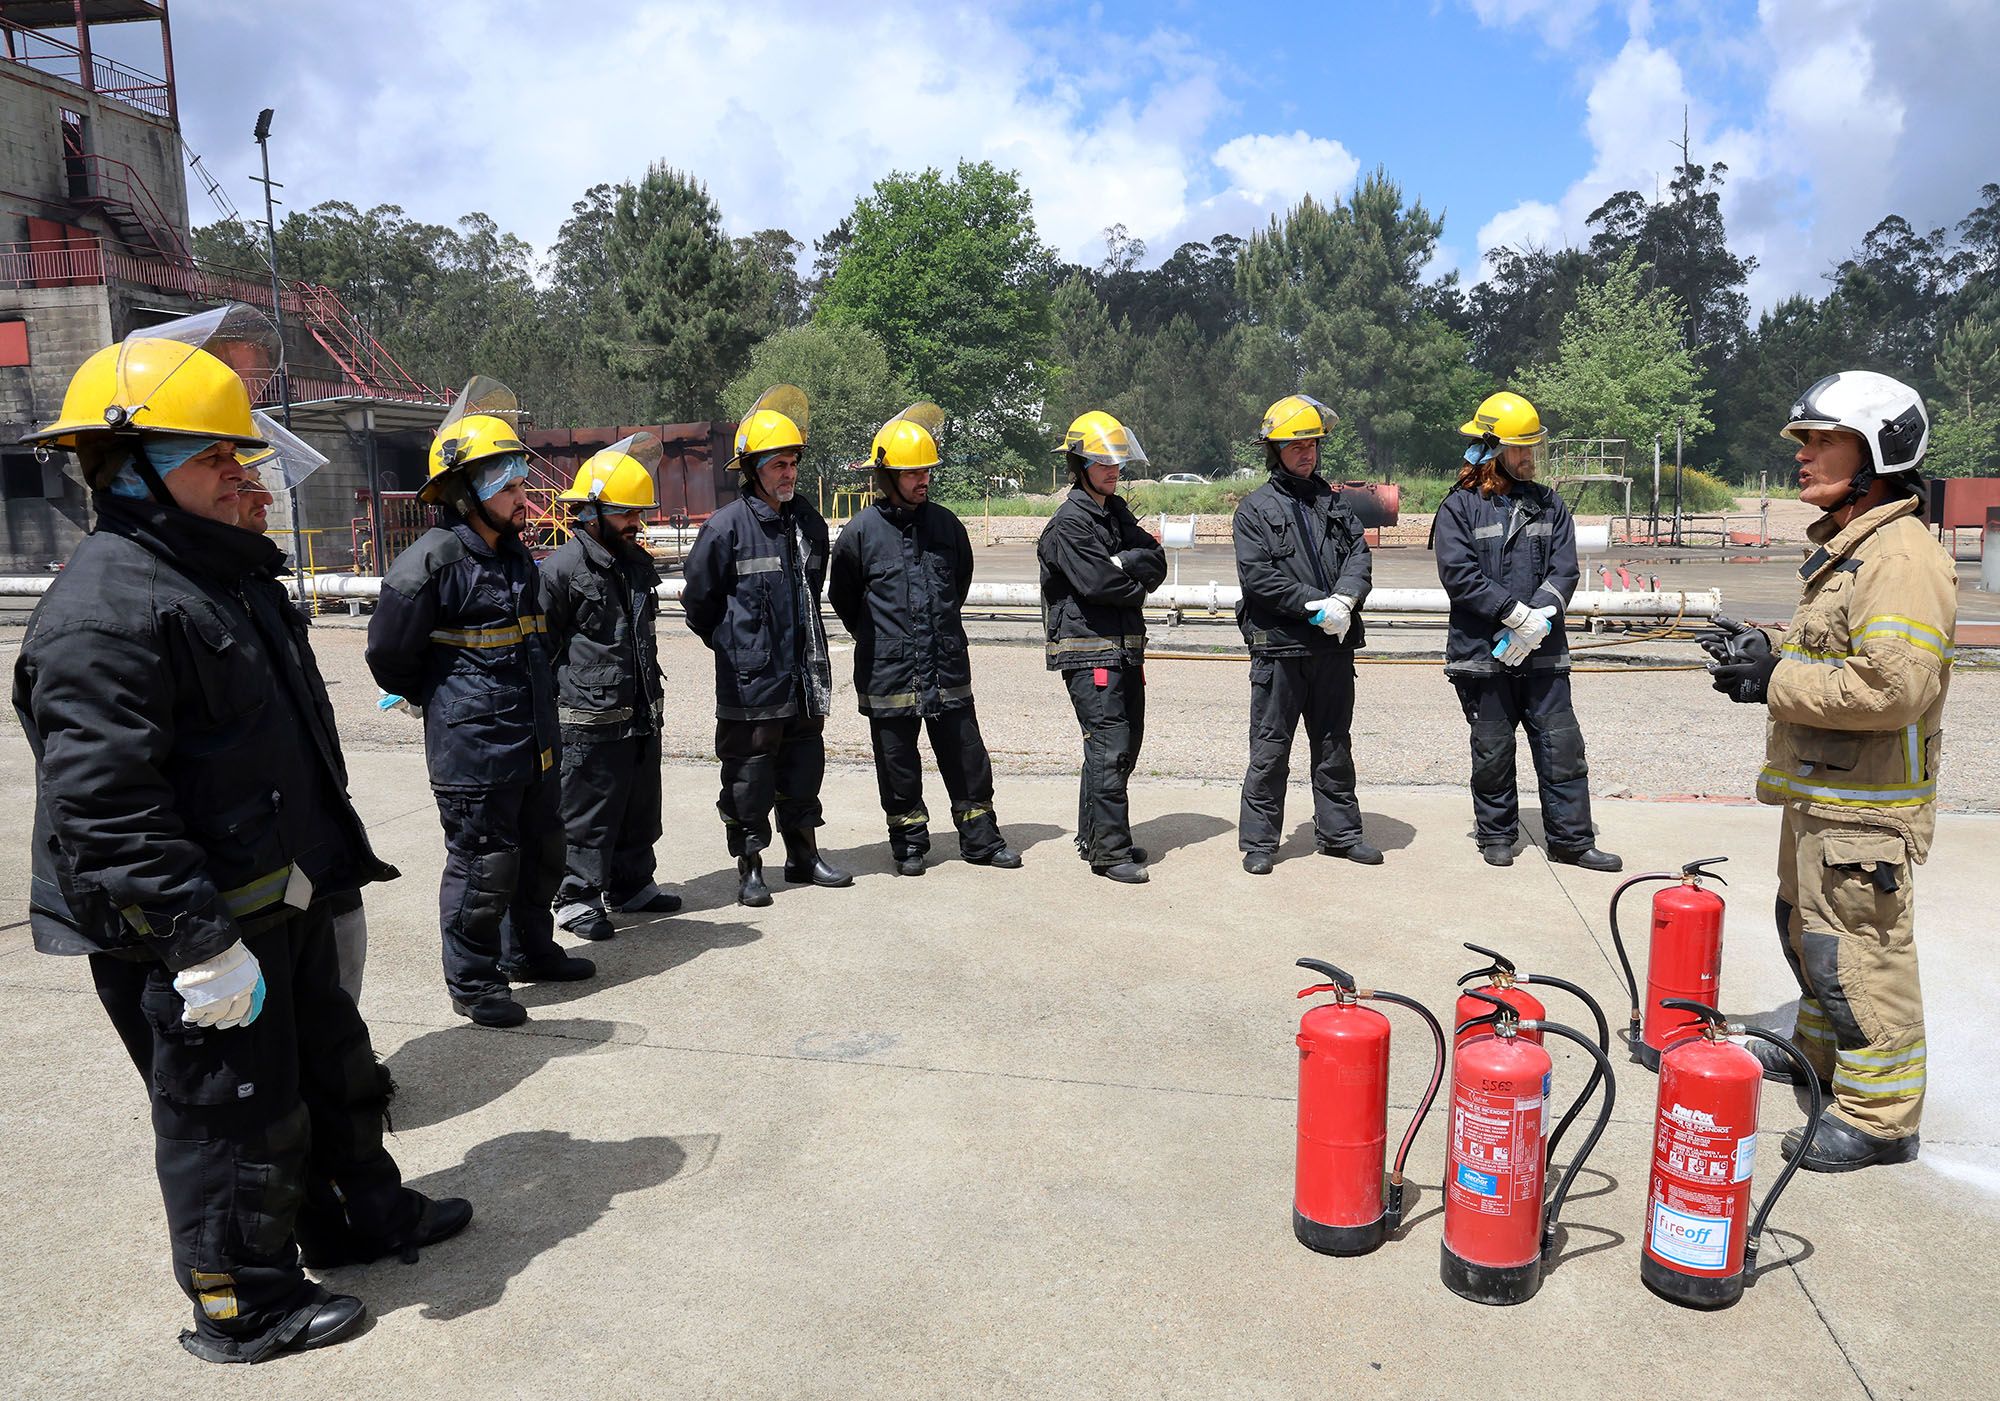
(1278, 169)
(1860, 109)
(787, 109)
(1559, 21)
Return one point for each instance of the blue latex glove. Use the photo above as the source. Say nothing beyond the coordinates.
(389, 702)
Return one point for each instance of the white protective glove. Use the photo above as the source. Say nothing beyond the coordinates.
(1319, 610)
(1514, 646)
(408, 707)
(1339, 616)
(224, 991)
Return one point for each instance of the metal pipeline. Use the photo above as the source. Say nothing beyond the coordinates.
(1212, 598)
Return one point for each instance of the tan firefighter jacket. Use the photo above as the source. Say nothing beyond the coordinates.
(1858, 694)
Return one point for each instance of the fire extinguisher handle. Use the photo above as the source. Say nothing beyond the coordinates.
(1603, 1044)
(1596, 1130)
(1752, 1241)
(1694, 868)
(1337, 976)
(1701, 1009)
(1501, 963)
(1395, 1206)
(1618, 941)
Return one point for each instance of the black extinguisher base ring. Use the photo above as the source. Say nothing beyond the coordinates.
(1489, 1284)
(1339, 1240)
(1690, 1291)
(1645, 1055)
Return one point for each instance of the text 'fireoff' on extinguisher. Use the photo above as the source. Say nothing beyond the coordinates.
(1505, 982)
(1683, 956)
(1339, 1206)
(1697, 1251)
(1497, 1234)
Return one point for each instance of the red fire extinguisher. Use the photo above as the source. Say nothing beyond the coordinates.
(1338, 1203)
(1684, 958)
(1697, 1251)
(1497, 1234)
(1505, 982)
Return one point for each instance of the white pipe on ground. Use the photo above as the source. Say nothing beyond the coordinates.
(1210, 598)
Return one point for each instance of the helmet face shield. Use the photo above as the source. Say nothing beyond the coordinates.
(1296, 417)
(241, 337)
(1099, 438)
(909, 441)
(621, 477)
(286, 460)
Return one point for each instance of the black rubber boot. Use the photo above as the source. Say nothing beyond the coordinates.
(1360, 853)
(1257, 863)
(1006, 858)
(750, 887)
(1125, 873)
(329, 1320)
(1590, 858)
(1777, 1065)
(909, 865)
(805, 866)
(330, 1244)
(563, 968)
(492, 1011)
(1498, 853)
(1837, 1147)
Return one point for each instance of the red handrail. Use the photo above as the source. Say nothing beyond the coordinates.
(115, 175)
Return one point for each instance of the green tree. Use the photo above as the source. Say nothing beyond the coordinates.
(770, 259)
(950, 274)
(849, 385)
(1621, 371)
(1343, 286)
(1965, 430)
(684, 293)
(1514, 316)
(1795, 343)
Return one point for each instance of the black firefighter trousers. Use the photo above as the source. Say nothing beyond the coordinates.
(1539, 702)
(1320, 689)
(263, 1134)
(968, 778)
(503, 860)
(1110, 706)
(778, 763)
(611, 816)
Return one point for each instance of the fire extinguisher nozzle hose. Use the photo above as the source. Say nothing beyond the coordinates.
(1430, 1093)
(1618, 941)
(1812, 1131)
(1596, 1130)
(1603, 1044)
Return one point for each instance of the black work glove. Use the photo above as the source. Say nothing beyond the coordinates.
(1747, 679)
(1742, 660)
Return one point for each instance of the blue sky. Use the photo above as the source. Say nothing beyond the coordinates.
(1178, 119)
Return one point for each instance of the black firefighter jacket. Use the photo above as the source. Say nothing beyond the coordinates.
(188, 778)
(601, 609)
(752, 594)
(1298, 542)
(1097, 567)
(1494, 552)
(459, 630)
(899, 578)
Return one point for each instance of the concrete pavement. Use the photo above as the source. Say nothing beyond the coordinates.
(1000, 1134)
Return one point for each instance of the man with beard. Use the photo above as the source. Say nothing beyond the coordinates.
(1305, 571)
(901, 571)
(599, 592)
(752, 594)
(459, 632)
(1506, 555)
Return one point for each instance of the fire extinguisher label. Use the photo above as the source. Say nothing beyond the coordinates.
(1746, 1157)
(1699, 1242)
(1483, 1184)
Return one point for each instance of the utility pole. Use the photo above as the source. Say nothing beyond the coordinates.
(262, 136)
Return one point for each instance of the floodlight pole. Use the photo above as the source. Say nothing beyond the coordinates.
(262, 136)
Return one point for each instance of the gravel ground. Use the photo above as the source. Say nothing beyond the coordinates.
(1652, 734)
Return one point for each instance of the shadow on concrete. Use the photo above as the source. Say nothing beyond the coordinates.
(649, 945)
(458, 1069)
(530, 1192)
(1564, 1255)
(1173, 830)
(1024, 837)
(1385, 832)
(1798, 1250)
